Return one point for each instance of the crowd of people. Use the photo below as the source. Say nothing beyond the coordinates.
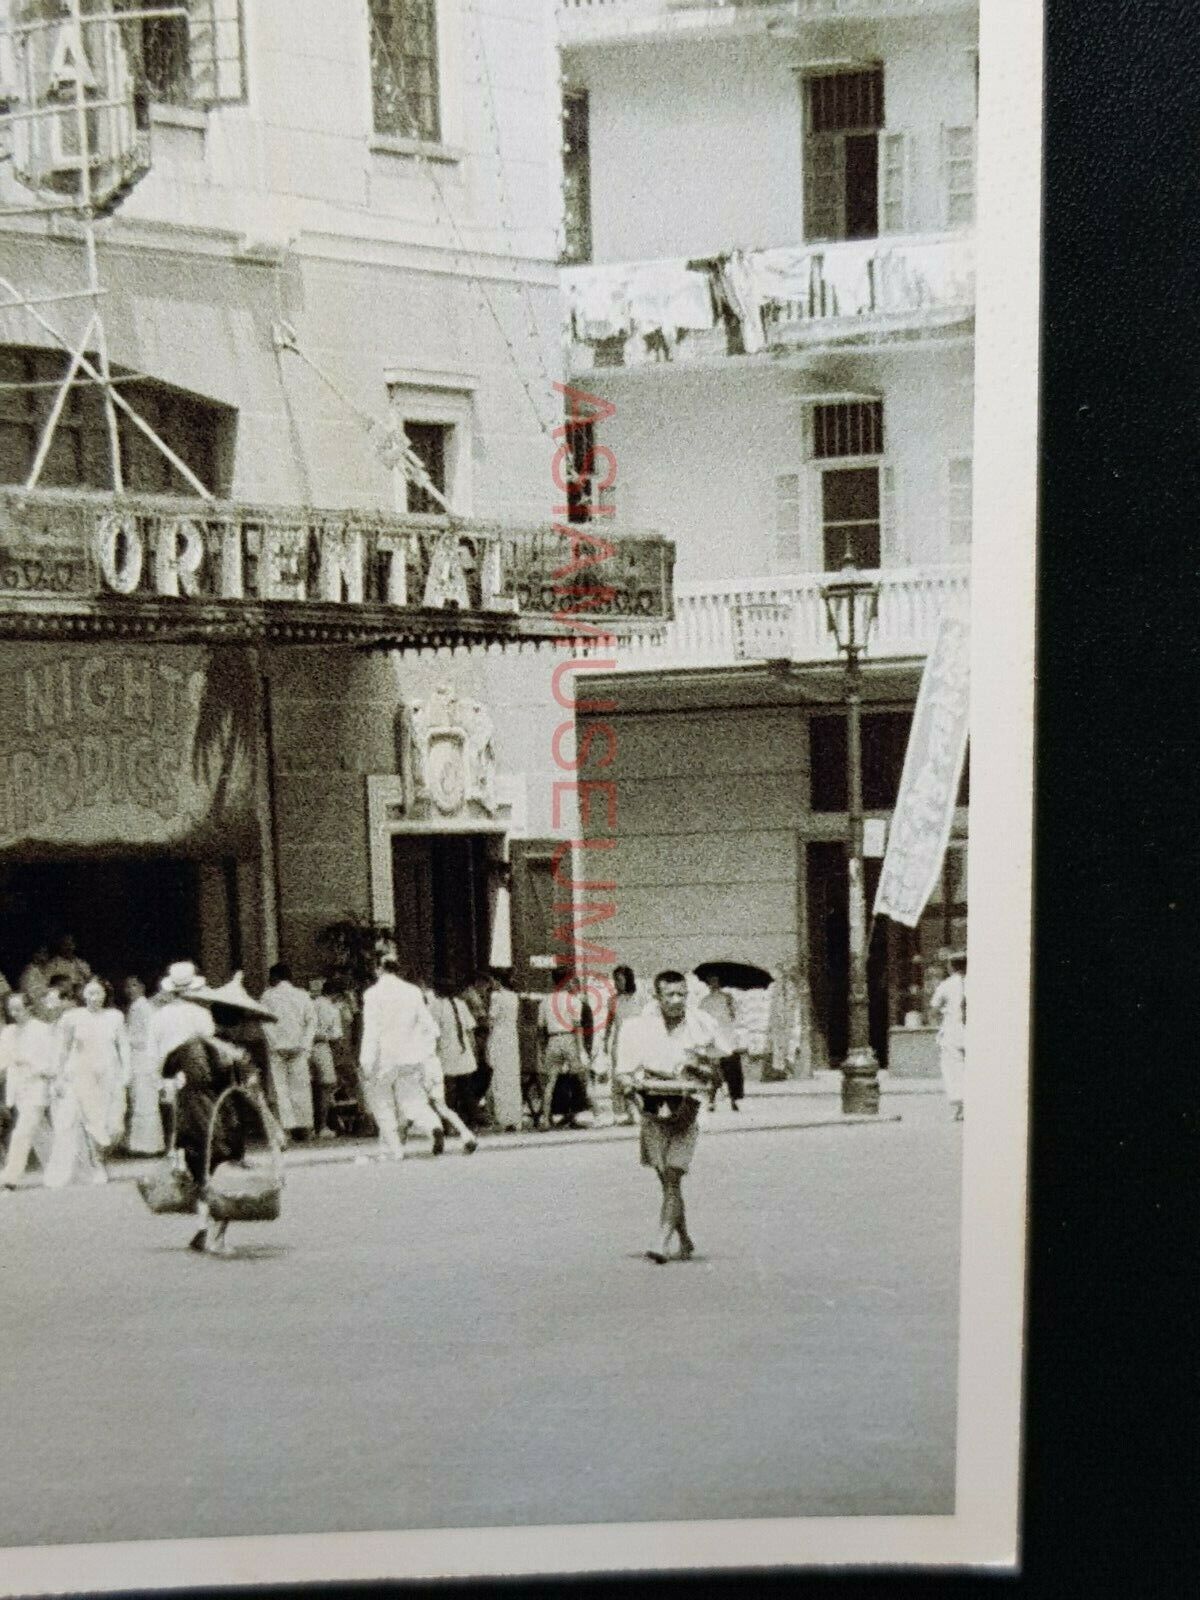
(86, 1078)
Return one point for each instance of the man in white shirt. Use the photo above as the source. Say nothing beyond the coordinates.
(399, 1039)
(290, 1039)
(949, 1001)
(668, 1044)
(29, 1051)
(324, 1069)
(177, 1016)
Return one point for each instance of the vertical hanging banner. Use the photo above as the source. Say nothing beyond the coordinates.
(933, 763)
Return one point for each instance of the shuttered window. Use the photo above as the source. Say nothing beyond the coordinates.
(893, 183)
(958, 175)
(843, 113)
(789, 519)
(958, 502)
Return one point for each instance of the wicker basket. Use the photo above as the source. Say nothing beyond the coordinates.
(241, 1191)
(169, 1187)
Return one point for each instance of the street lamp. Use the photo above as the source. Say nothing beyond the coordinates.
(851, 606)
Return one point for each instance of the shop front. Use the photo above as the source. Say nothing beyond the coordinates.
(200, 718)
(732, 836)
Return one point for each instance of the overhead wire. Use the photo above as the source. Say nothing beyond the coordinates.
(486, 303)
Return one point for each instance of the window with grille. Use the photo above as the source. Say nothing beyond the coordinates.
(79, 457)
(430, 444)
(958, 168)
(842, 102)
(577, 196)
(849, 428)
(958, 502)
(404, 69)
(194, 60)
(843, 116)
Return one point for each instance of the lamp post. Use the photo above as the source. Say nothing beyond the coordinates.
(851, 606)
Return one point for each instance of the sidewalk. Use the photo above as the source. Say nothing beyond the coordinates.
(767, 1107)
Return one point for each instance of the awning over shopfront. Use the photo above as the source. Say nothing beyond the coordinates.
(88, 566)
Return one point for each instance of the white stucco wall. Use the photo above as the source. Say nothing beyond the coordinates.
(680, 169)
(698, 451)
(286, 208)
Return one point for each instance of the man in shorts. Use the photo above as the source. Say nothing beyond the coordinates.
(668, 1042)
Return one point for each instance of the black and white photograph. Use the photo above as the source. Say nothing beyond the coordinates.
(517, 530)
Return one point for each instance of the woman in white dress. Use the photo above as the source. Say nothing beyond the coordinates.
(88, 1104)
(504, 1058)
(145, 1113)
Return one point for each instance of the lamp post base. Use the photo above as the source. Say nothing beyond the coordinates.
(860, 1084)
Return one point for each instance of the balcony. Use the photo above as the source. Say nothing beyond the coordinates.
(797, 297)
(583, 22)
(755, 620)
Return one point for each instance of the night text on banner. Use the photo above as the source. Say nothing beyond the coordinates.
(937, 746)
(144, 746)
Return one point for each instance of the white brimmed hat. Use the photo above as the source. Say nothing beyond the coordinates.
(182, 978)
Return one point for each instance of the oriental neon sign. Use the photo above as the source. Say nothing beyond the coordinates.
(69, 548)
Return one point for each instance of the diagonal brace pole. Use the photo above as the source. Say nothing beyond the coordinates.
(119, 400)
(56, 410)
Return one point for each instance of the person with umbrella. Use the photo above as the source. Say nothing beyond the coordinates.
(666, 1058)
(721, 977)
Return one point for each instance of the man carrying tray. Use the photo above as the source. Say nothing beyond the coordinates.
(667, 1058)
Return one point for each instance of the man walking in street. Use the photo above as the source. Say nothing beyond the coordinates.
(324, 1068)
(666, 1057)
(564, 1048)
(718, 1008)
(290, 1039)
(398, 1039)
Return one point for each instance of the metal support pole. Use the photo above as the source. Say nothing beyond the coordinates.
(860, 1070)
(89, 234)
(118, 398)
(56, 410)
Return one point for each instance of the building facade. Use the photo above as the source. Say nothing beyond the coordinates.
(237, 695)
(769, 299)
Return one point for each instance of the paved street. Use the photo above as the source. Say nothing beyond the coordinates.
(470, 1342)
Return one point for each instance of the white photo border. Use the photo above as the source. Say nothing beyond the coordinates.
(984, 1531)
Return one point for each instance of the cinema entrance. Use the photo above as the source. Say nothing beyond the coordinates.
(128, 914)
(128, 783)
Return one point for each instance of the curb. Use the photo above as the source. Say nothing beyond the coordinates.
(347, 1155)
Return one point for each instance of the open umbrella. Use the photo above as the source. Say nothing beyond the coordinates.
(734, 974)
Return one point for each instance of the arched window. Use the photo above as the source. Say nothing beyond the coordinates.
(199, 431)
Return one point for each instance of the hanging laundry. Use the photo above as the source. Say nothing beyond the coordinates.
(665, 295)
(598, 301)
(737, 283)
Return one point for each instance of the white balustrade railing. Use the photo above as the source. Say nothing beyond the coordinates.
(772, 619)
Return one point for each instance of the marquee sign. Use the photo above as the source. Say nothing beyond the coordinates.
(151, 745)
(245, 572)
